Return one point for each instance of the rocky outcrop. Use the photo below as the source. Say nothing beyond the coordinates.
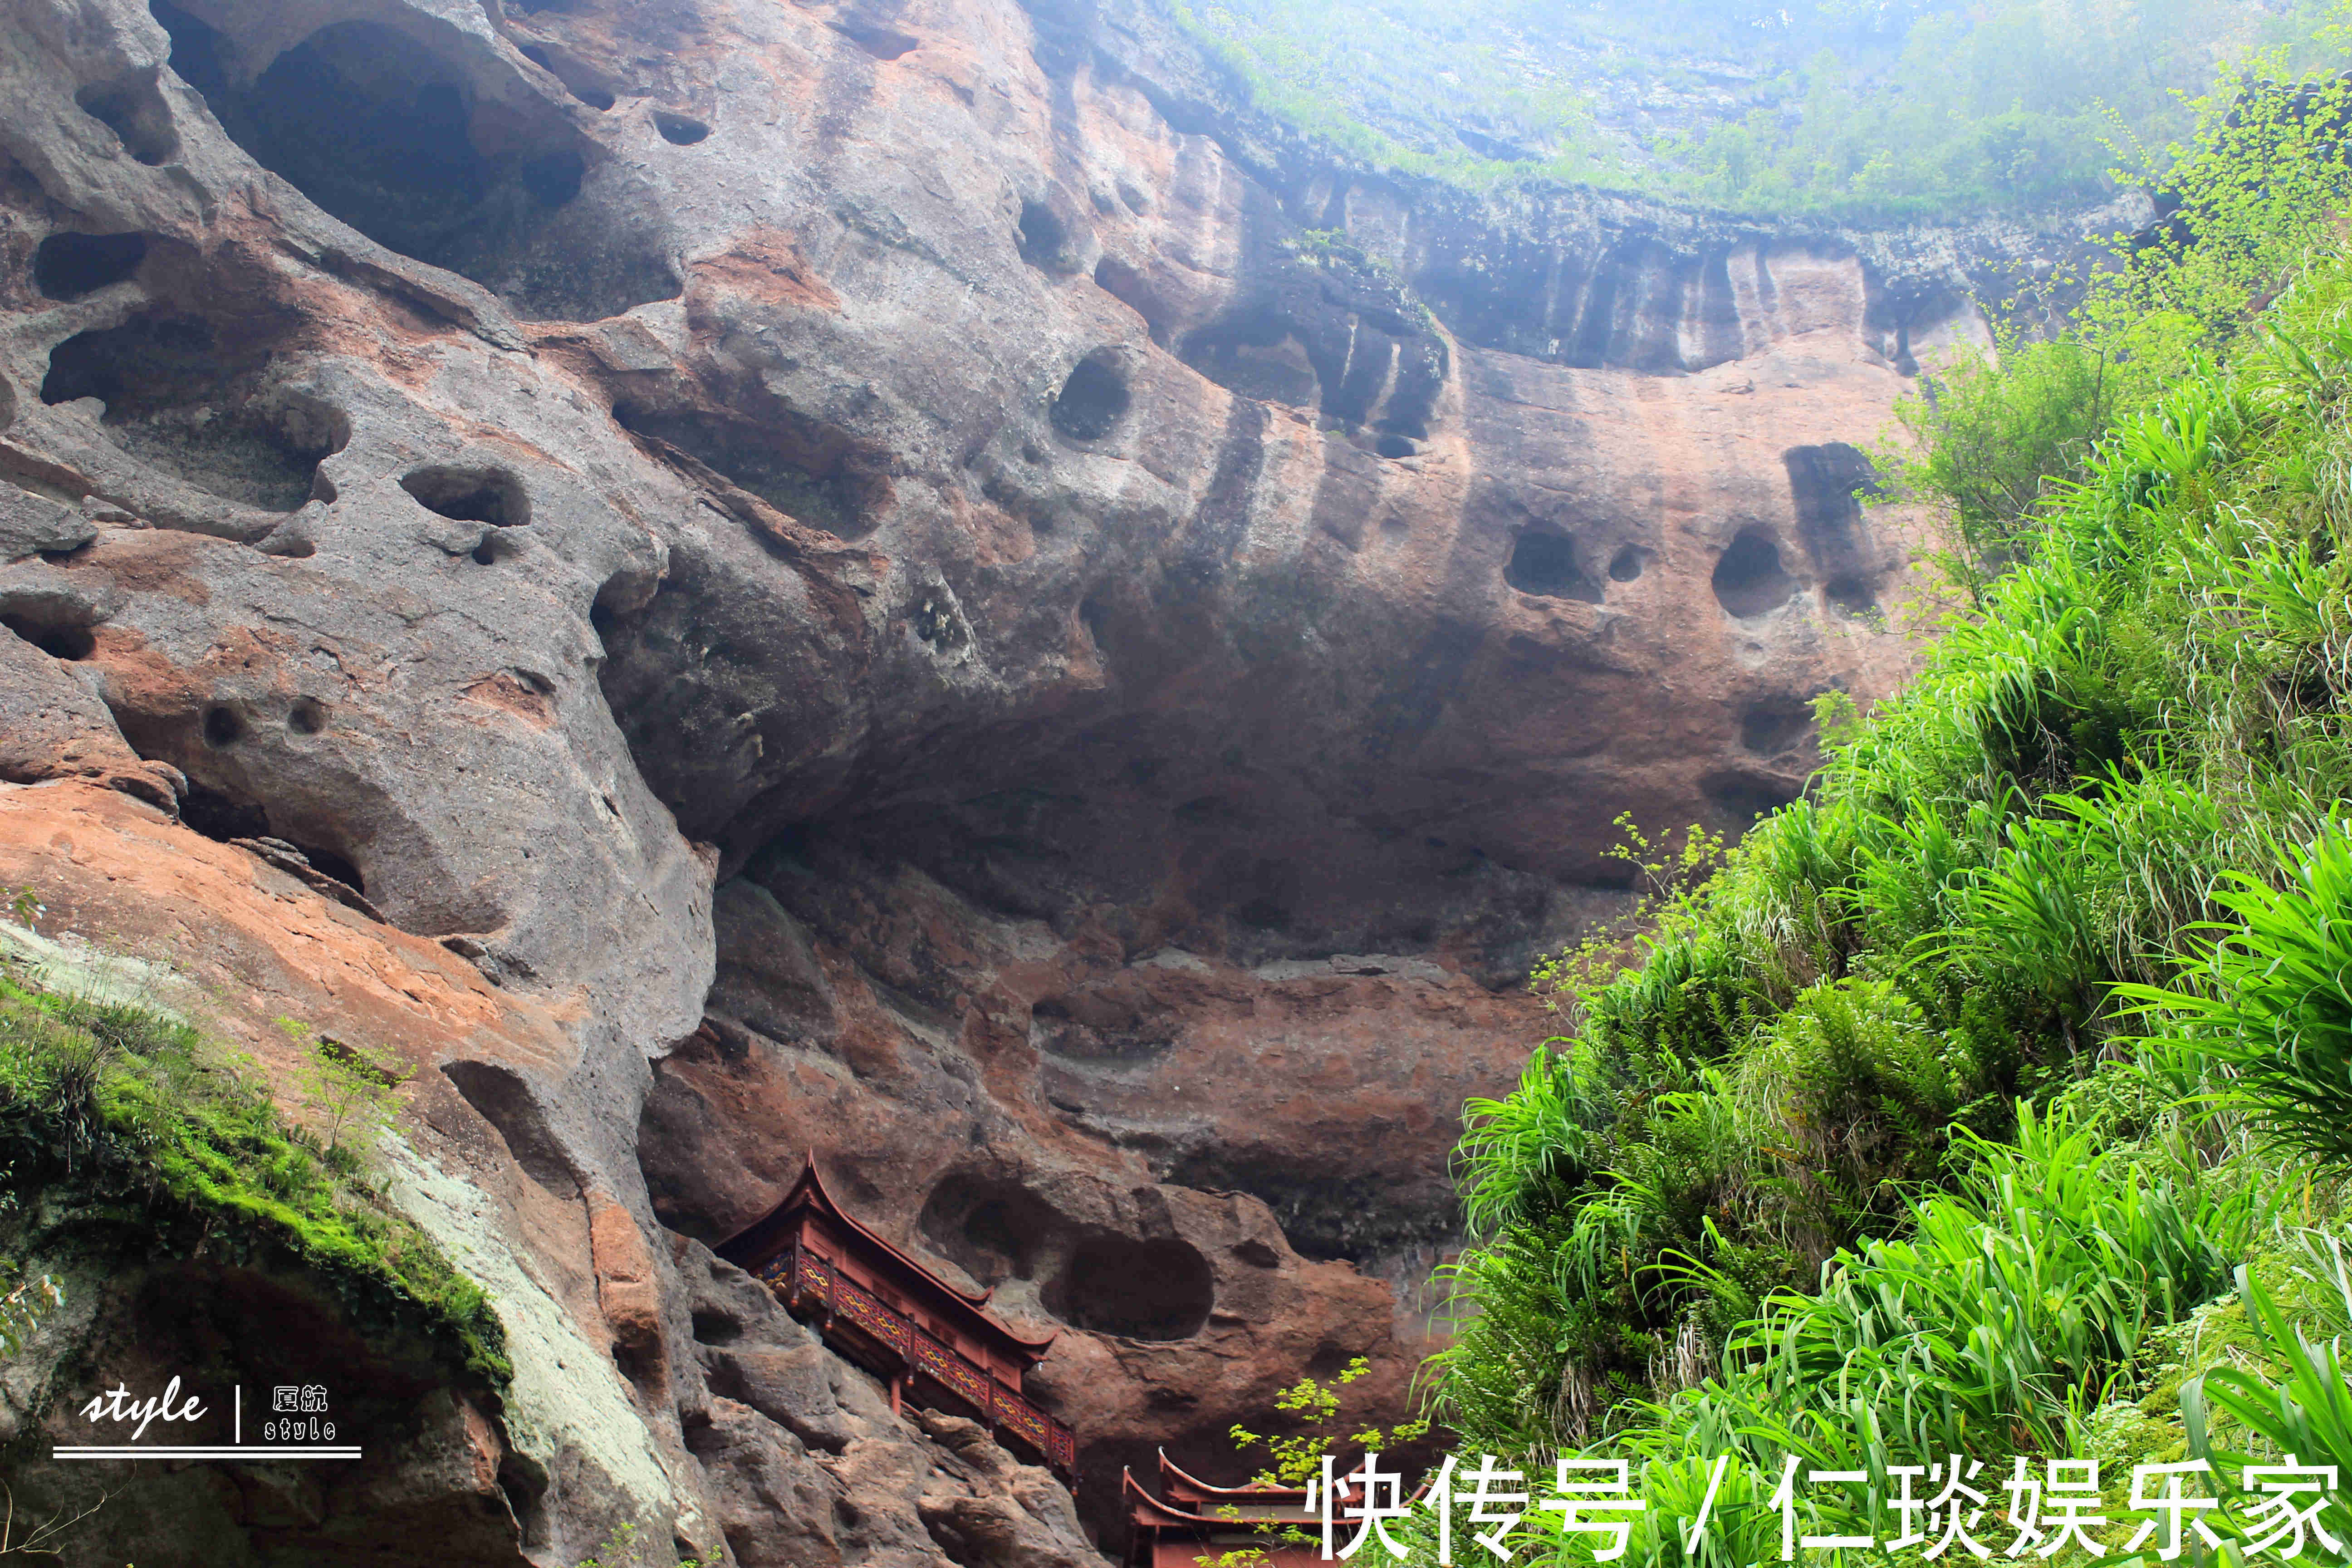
(903, 581)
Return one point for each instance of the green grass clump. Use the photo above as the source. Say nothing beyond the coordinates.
(2001, 1312)
(2273, 1001)
(118, 1119)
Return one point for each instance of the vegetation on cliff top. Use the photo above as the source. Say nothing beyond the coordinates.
(1828, 107)
(120, 1124)
(1991, 1099)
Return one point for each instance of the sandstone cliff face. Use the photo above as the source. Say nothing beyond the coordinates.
(900, 581)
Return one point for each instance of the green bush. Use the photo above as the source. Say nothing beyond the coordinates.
(1995, 441)
(1860, 1089)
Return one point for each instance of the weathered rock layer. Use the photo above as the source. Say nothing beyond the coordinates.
(902, 581)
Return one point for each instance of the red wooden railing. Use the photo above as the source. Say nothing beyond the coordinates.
(807, 1276)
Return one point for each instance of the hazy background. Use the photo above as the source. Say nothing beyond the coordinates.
(1848, 107)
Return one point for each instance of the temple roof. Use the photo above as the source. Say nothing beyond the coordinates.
(773, 1232)
(1145, 1509)
(1175, 1482)
(1182, 1487)
(1197, 1507)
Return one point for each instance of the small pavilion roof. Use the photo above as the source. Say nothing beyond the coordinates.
(1176, 1482)
(773, 1232)
(1151, 1509)
(1181, 1487)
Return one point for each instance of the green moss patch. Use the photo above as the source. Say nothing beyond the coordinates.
(122, 1124)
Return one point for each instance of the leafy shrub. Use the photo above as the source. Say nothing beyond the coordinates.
(1994, 440)
(1857, 1086)
(1313, 1407)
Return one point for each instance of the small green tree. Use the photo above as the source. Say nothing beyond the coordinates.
(1296, 1457)
(355, 1091)
(1669, 880)
(620, 1550)
(1993, 440)
(2254, 199)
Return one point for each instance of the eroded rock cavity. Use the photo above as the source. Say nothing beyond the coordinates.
(405, 133)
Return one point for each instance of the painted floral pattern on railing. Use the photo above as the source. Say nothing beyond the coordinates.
(1026, 1419)
(862, 1309)
(953, 1372)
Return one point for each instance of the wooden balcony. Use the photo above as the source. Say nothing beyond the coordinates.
(855, 1321)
